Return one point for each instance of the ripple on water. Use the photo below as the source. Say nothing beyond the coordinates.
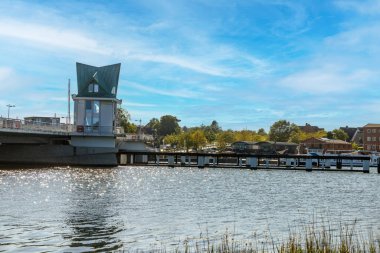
(89, 209)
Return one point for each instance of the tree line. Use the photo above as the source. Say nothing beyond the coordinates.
(167, 130)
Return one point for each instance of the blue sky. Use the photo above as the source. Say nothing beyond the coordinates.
(245, 64)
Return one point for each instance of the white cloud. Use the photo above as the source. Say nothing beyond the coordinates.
(132, 104)
(361, 6)
(4, 74)
(172, 93)
(51, 36)
(326, 80)
(362, 38)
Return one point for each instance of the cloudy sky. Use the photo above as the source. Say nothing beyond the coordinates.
(243, 63)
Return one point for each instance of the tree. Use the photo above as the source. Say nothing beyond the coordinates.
(261, 131)
(172, 139)
(330, 135)
(198, 139)
(152, 126)
(215, 127)
(245, 135)
(339, 134)
(123, 118)
(225, 138)
(168, 125)
(185, 140)
(282, 130)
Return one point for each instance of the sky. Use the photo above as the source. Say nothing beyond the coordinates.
(245, 64)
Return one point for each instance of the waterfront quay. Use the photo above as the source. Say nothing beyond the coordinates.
(249, 161)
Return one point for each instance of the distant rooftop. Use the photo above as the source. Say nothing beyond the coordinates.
(372, 125)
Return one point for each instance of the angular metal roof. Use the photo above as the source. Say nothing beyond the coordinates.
(107, 77)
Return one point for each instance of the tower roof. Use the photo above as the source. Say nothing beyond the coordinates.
(106, 77)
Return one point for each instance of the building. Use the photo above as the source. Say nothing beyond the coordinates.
(371, 137)
(324, 145)
(350, 131)
(95, 106)
(264, 147)
(43, 121)
(358, 137)
(307, 128)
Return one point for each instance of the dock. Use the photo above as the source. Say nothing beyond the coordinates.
(245, 161)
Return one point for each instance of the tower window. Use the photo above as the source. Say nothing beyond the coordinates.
(93, 87)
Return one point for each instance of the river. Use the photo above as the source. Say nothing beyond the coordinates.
(142, 208)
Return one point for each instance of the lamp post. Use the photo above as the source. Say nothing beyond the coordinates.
(139, 120)
(9, 107)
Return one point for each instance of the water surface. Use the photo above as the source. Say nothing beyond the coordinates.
(90, 209)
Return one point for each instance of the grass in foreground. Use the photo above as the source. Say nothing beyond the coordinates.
(310, 240)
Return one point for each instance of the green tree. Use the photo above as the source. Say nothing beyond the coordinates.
(198, 139)
(152, 126)
(330, 135)
(185, 140)
(123, 118)
(282, 130)
(261, 131)
(172, 139)
(245, 135)
(215, 127)
(168, 125)
(224, 138)
(339, 134)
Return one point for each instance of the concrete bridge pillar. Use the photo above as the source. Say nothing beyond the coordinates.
(366, 166)
(308, 164)
(183, 160)
(201, 162)
(171, 161)
(157, 159)
(123, 159)
(252, 162)
(145, 159)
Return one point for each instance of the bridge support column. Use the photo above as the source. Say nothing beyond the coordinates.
(201, 162)
(132, 157)
(308, 164)
(157, 159)
(145, 159)
(327, 163)
(252, 162)
(123, 159)
(267, 163)
(366, 166)
(207, 160)
(171, 161)
(183, 160)
(288, 162)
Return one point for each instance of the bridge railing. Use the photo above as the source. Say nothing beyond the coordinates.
(34, 126)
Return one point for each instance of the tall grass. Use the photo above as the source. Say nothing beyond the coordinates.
(345, 239)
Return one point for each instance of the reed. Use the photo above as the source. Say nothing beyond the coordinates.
(311, 239)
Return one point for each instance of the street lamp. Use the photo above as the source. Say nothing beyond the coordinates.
(9, 107)
(139, 120)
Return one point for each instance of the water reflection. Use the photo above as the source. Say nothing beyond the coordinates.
(92, 214)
